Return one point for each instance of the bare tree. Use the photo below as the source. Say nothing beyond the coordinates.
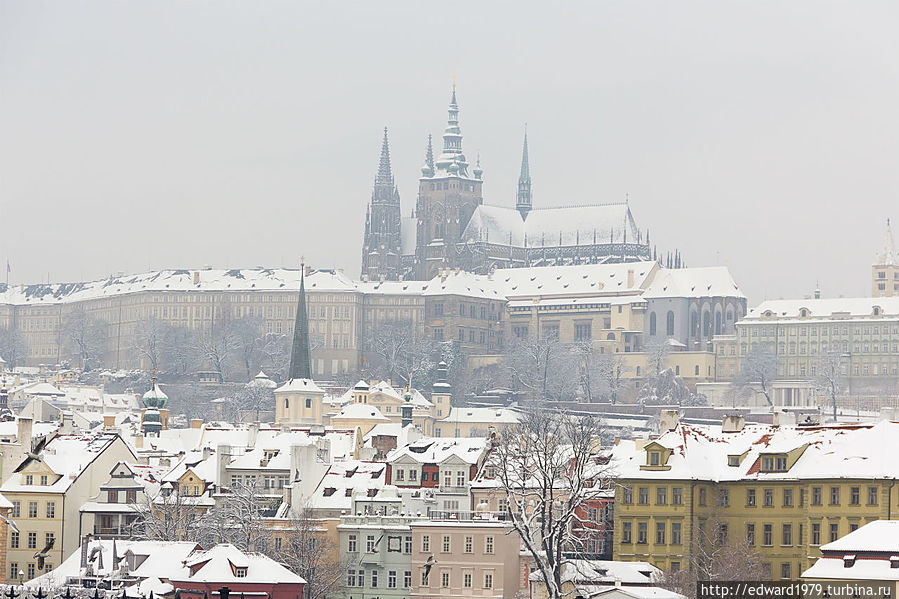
(758, 372)
(656, 353)
(401, 352)
(667, 388)
(13, 346)
(248, 334)
(150, 340)
(84, 337)
(610, 368)
(218, 345)
(717, 554)
(254, 397)
(544, 368)
(239, 519)
(179, 354)
(166, 517)
(309, 552)
(830, 378)
(548, 471)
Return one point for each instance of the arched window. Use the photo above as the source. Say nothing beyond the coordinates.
(706, 324)
(611, 336)
(286, 403)
(652, 324)
(694, 324)
(670, 324)
(730, 315)
(717, 323)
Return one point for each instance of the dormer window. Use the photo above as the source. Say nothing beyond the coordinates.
(849, 560)
(654, 458)
(240, 572)
(733, 460)
(29, 479)
(774, 463)
(803, 313)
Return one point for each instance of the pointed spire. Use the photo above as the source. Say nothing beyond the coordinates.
(478, 171)
(385, 177)
(887, 254)
(452, 160)
(523, 203)
(300, 355)
(427, 169)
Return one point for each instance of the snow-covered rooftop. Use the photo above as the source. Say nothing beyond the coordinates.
(436, 450)
(219, 564)
(824, 308)
(711, 281)
(700, 452)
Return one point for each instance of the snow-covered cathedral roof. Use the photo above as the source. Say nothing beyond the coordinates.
(567, 226)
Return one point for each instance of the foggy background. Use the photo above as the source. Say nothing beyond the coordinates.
(758, 135)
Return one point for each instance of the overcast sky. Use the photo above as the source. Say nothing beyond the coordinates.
(133, 135)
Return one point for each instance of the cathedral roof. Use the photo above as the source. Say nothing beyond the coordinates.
(577, 225)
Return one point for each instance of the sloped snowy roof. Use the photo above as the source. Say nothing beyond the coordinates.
(247, 279)
(164, 560)
(582, 279)
(879, 536)
(343, 480)
(824, 308)
(575, 225)
(361, 411)
(67, 456)
(478, 415)
(299, 386)
(435, 450)
(699, 452)
(605, 571)
(711, 281)
(217, 565)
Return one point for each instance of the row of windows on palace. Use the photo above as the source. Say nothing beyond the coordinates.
(856, 493)
(802, 348)
(672, 534)
(769, 330)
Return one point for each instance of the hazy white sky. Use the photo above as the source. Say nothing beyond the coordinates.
(761, 135)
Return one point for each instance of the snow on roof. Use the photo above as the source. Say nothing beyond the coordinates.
(217, 565)
(344, 479)
(9, 429)
(581, 571)
(156, 559)
(862, 569)
(567, 226)
(710, 281)
(879, 535)
(361, 411)
(67, 456)
(247, 279)
(639, 592)
(299, 386)
(436, 450)
(824, 308)
(481, 415)
(42, 388)
(700, 452)
(580, 280)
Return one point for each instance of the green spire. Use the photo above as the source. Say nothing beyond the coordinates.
(300, 355)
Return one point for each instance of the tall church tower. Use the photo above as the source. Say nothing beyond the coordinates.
(885, 270)
(382, 245)
(523, 203)
(447, 197)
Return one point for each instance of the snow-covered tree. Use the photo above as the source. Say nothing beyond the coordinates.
(830, 378)
(166, 517)
(307, 551)
(667, 389)
(219, 345)
(150, 341)
(13, 346)
(83, 337)
(758, 372)
(656, 353)
(544, 368)
(548, 470)
(239, 519)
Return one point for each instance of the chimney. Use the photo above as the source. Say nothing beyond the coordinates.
(253, 430)
(108, 420)
(668, 421)
(196, 423)
(24, 436)
(733, 423)
(139, 441)
(630, 277)
(784, 418)
(222, 459)
(207, 452)
(196, 277)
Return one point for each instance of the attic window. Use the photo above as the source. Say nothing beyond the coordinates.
(372, 492)
(240, 572)
(849, 560)
(894, 561)
(733, 460)
(329, 491)
(774, 463)
(654, 458)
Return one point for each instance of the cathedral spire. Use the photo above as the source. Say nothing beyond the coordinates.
(385, 177)
(300, 355)
(887, 254)
(428, 169)
(452, 160)
(523, 203)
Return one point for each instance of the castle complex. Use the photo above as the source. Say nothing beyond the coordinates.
(452, 227)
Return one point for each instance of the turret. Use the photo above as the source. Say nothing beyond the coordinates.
(441, 391)
(407, 409)
(154, 402)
